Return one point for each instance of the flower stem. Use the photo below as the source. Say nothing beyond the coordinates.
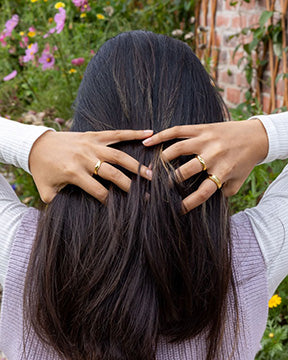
(59, 49)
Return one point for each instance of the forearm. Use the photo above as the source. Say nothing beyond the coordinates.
(16, 141)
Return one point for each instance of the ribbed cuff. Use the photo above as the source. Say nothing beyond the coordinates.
(16, 141)
(276, 127)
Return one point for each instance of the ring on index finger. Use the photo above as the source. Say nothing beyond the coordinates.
(202, 162)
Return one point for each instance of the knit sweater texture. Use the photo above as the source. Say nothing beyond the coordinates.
(249, 271)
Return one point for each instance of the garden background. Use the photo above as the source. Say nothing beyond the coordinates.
(46, 45)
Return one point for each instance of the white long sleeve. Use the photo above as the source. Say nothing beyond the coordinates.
(16, 141)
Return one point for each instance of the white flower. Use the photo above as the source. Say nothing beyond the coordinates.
(189, 36)
(177, 32)
(109, 10)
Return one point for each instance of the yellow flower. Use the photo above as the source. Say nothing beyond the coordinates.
(34, 1)
(100, 17)
(45, 0)
(83, 15)
(72, 71)
(271, 335)
(50, 20)
(59, 5)
(31, 33)
(274, 301)
(21, 33)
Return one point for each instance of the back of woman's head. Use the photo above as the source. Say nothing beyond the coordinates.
(105, 281)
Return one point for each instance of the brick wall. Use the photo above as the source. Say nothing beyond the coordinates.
(228, 21)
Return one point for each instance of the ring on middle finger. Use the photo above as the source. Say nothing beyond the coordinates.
(97, 167)
(202, 162)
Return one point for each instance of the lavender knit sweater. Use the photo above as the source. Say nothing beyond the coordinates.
(250, 273)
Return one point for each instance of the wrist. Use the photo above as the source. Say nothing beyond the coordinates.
(259, 139)
(35, 151)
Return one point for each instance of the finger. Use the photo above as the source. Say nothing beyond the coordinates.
(109, 172)
(115, 136)
(198, 197)
(185, 147)
(118, 157)
(189, 169)
(176, 132)
(92, 187)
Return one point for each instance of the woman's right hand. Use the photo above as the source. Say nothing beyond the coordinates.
(230, 151)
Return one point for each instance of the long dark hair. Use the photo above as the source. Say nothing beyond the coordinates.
(105, 281)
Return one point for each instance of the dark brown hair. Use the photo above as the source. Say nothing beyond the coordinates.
(105, 281)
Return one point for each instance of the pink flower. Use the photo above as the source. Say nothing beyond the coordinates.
(51, 31)
(47, 60)
(60, 20)
(92, 52)
(78, 61)
(24, 42)
(32, 29)
(83, 4)
(2, 39)
(10, 76)
(11, 24)
(30, 52)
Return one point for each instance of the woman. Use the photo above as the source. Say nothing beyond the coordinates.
(131, 276)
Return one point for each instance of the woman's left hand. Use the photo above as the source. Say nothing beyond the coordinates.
(61, 158)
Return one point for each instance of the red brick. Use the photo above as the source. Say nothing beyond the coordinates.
(249, 6)
(222, 20)
(241, 81)
(279, 102)
(225, 78)
(228, 7)
(280, 88)
(223, 56)
(238, 22)
(233, 95)
(253, 20)
(237, 56)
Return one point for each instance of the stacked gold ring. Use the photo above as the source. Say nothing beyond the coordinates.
(97, 167)
(202, 162)
(216, 180)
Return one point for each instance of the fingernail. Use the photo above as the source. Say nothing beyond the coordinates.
(146, 141)
(148, 131)
(149, 174)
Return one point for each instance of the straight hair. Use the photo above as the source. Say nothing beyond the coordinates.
(106, 281)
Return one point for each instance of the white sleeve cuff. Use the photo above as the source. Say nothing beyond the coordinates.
(16, 141)
(276, 127)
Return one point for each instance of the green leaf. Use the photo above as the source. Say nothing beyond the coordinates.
(246, 48)
(233, 3)
(265, 16)
(253, 44)
(249, 74)
(277, 49)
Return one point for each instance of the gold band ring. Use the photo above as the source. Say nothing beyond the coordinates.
(97, 167)
(202, 162)
(216, 180)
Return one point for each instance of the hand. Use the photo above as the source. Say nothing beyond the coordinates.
(230, 151)
(61, 158)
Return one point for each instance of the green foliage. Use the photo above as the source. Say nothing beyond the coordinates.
(53, 91)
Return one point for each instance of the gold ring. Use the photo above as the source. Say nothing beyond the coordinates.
(216, 180)
(97, 167)
(202, 162)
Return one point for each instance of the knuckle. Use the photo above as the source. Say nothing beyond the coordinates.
(203, 195)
